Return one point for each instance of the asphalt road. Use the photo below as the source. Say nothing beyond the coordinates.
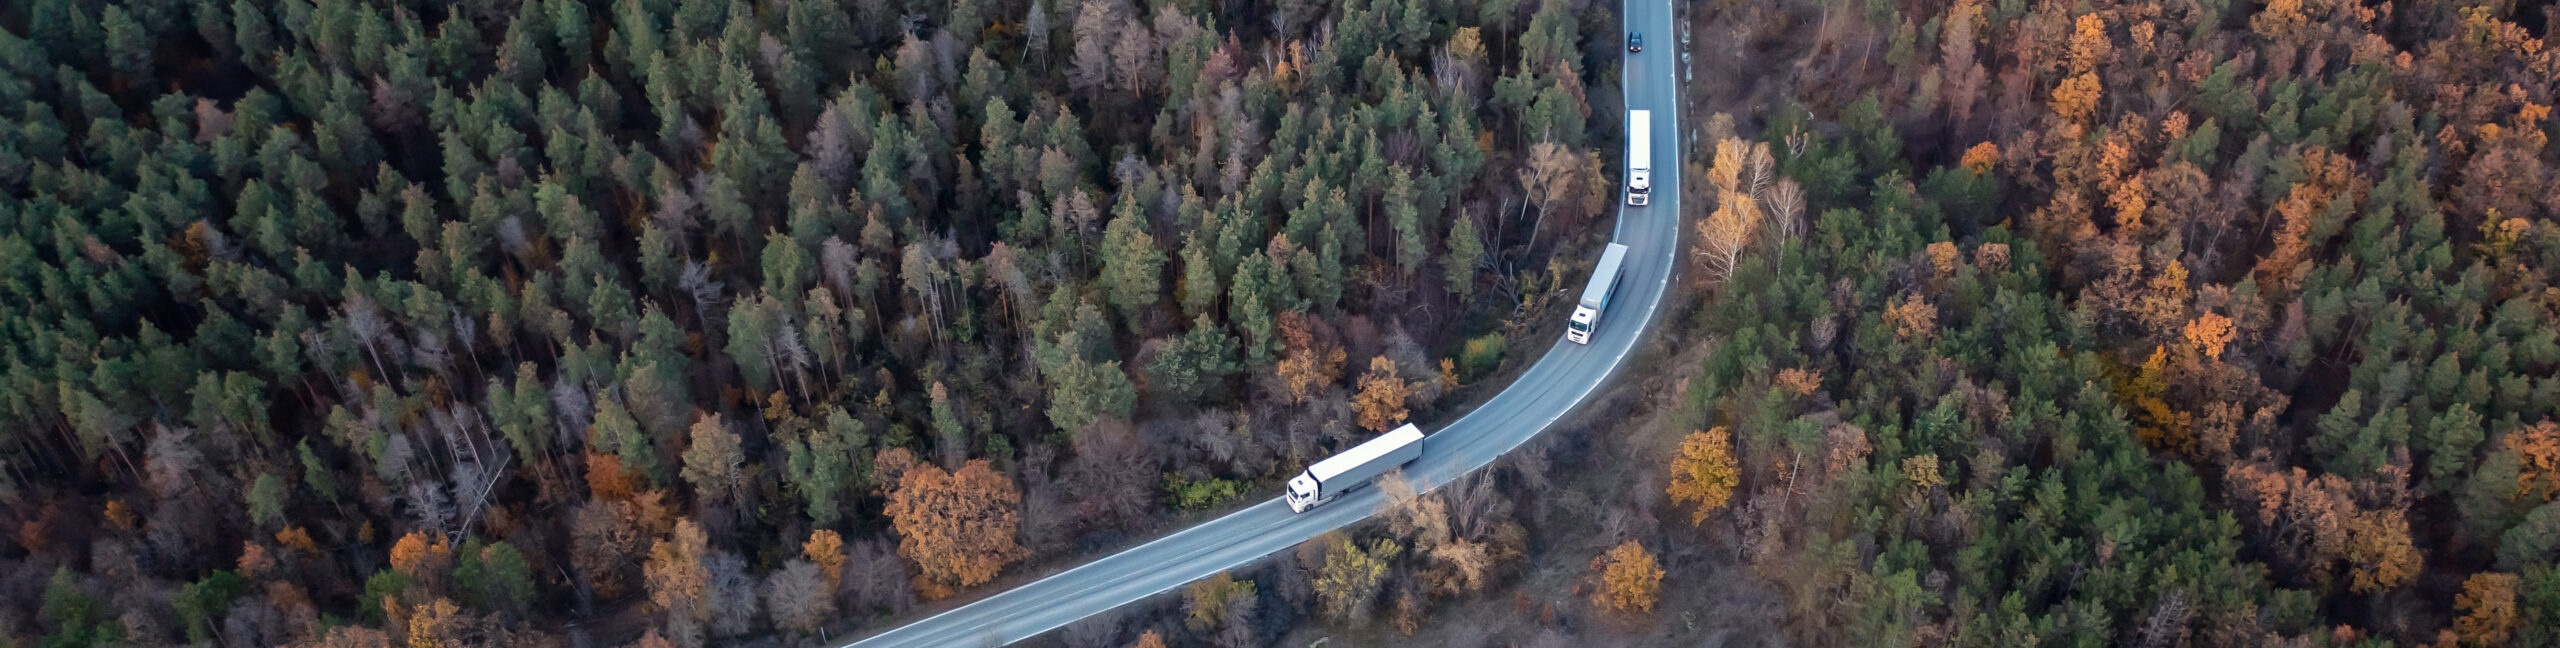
(1546, 392)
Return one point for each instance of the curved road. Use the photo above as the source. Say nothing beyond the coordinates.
(1546, 392)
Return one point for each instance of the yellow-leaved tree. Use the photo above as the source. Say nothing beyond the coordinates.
(1704, 474)
(2076, 97)
(2379, 551)
(1726, 233)
(1629, 579)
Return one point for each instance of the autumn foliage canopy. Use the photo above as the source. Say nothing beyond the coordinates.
(957, 526)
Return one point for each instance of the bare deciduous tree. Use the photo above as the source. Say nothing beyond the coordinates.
(1549, 176)
(1113, 474)
(1785, 206)
(366, 322)
(1089, 66)
(837, 261)
(917, 73)
(876, 579)
(698, 284)
(831, 148)
(732, 594)
(1134, 68)
(677, 208)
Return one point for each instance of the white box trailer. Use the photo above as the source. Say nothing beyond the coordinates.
(1353, 468)
(1595, 296)
(1639, 157)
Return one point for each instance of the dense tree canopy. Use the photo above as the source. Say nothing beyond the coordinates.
(2140, 324)
(562, 277)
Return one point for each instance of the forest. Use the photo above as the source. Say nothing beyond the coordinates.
(695, 322)
(2129, 323)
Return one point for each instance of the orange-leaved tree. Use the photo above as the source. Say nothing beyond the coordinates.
(1801, 382)
(2089, 44)
(2488, 604)
(1731, 154)
(1313, 363)
(1913, 318)
(1704, 473)
(2538, 449)
(826, 550)
(2209, 334)
(957, 526)
(1981, 157)
(1380, 402)
(679, 581)
(1629, 579)
(423, 560)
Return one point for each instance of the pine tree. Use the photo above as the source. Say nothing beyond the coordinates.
(820, 465)
(1192, 365)
(1131, 264)
(1465, 251)
(616, 432)
(1200, 290)
(1082, 391)
(250, 29)
(128, 44)
(1405, 216)
(266, 500)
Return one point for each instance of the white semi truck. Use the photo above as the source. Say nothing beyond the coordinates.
(1595, 297)
(1639, 157)
(1353, 468)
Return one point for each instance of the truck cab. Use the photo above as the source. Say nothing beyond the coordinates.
(1302, 493)
(1579, 328)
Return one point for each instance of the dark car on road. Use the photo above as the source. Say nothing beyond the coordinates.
(1635, 42)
